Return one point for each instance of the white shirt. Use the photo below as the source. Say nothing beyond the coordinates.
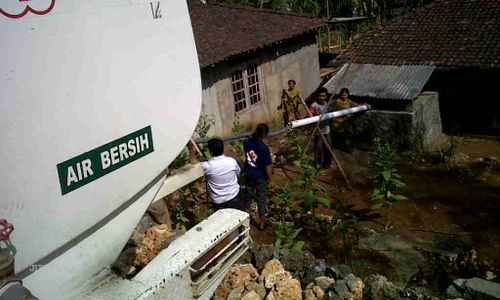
(222, 177)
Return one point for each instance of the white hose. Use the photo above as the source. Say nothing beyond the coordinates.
(327, 116)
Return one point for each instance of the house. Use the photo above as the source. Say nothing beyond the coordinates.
(460, 40)
(246, 57)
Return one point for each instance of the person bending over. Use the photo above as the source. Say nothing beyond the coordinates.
(222, 177)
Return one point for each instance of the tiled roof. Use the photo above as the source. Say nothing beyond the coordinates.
(448, 33)
(222, 31)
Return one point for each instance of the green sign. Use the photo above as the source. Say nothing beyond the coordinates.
(89, 166)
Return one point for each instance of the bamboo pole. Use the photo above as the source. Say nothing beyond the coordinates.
(328, 147)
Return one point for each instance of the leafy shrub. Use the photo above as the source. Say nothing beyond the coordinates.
(286, 235)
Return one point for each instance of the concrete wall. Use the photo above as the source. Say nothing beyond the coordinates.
(417, 128)
(295, 59)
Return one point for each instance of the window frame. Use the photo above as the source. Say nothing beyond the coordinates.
(243, 68)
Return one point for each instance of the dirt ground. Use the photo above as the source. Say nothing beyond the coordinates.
(454, 201)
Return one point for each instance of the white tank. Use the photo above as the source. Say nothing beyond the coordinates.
(97, 98)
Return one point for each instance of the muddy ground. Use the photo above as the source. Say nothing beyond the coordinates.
(454, 198)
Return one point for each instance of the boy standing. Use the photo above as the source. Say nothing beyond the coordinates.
(322, 157)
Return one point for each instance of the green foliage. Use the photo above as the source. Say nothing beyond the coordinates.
(386, 178)
(237, 128)
(343, 222)
(310, 191)
(285, 196)
(181, 160)
(286, 235)
(179, 217)
(205, 122)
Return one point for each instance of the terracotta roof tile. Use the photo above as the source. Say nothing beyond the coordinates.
(449, 33)
(222, 31)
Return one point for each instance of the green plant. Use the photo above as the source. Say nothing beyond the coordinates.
(179, 217)
(386, 178)
(343, 223)
(205, 122)
(237, 128)
(286, 235)
(285, 196)
(181, 160)
(310, 191)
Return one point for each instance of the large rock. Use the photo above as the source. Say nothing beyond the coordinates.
(481, 289)
(313, 292)
(296, 262)
(355, 285)
(339, 271)
(252, 295)
(145, 223)
(245, 258)
(324, 282)
(401, 255)
(262, 254)
(315, 269)
(155, 239)
(236, 278)
(236, 293)
(378, 288)
(259, 288)
(272, 273)
(340, 291)
(349, 288)
(124, 264)
(288, 289)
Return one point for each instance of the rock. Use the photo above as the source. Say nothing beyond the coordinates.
(460, 284)
(332, 296)
(490, 275)
(245, 258)
(296, 262)
(399, 253)
(272, 273)
(338, 271)
(315, 269)
(480, 289)
(136, 238)
(236, 293)
(355, 285)
(417, 293)
(238, 276)
(156, 239)
(451, 291)
(342, 290)
(272, 279)
(378, 288)
(271, 296)
(262, 254)
(145, 223)
(324, 282)
(252, 295)
(259, 288)
(124, 264)
(288, 289)
(313, 292)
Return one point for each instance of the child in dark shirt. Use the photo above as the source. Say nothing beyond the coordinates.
(258, 172)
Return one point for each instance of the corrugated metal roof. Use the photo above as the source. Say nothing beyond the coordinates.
(381, 81)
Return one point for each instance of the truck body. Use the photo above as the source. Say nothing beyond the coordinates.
(98, 98)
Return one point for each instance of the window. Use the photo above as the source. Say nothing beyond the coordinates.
(246, 87)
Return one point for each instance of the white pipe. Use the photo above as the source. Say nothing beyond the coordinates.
(327, 116)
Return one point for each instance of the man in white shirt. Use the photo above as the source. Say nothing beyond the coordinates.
(222, 176)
